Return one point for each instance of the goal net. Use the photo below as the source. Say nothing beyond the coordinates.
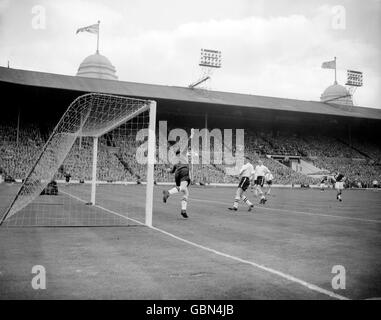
(96, 168)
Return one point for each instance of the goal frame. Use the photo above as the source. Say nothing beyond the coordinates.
(151, 107)
(150, 159)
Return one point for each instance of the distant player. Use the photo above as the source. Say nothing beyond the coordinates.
(246, 174)
(323, 183)
(260, 173)
(67, 177)
(182, 180)
(339, 179)
(269, 181)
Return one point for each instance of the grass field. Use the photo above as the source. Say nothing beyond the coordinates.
(283, 250)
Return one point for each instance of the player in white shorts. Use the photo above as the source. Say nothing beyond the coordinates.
(269, 181)
(246, 174)
(260, 173)
(339, 184)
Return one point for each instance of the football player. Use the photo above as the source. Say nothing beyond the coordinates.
(182, 180)
(246, 174)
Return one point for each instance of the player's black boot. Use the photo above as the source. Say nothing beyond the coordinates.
(165, 195)
(263, 201)
(233, 209)
(184, 214)
(251, 207)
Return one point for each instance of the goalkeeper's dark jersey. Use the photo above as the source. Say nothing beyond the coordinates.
(181, 172)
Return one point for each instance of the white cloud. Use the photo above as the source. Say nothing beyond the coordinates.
(277, 56)
(4, 4)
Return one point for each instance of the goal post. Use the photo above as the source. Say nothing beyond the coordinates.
(94, 171)
(150, 163)
(95, 140)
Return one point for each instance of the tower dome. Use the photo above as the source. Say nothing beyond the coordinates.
(97, 66)
(338, 94)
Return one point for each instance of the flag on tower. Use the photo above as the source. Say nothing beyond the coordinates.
(94, 28)
(329, 64)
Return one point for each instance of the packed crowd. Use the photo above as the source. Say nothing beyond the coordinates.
(117, 157)
(291, 144)
(367, 147)
(360, 172)
(18, 151)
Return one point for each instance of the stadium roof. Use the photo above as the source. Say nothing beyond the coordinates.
(140, 90)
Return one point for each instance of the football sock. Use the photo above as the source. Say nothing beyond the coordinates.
(173, 190)
(184, 204)
(244, 199)
(235, 204)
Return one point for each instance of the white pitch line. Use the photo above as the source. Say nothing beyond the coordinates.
(295, 212)
(259, 266)
(288, 277)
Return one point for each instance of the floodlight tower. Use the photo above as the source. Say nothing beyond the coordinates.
(209, 61)
(354, 80)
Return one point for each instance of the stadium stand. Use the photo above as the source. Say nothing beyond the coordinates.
(327, 135)
(359, 163)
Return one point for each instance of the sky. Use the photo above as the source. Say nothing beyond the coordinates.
(270, 48)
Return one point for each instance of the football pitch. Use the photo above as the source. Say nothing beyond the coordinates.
(285, 249)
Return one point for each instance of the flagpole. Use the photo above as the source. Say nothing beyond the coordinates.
(98, 38)
(335, 71)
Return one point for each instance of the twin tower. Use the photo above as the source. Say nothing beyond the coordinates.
(97, 66)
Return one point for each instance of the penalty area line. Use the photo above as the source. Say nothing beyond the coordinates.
(288, 277)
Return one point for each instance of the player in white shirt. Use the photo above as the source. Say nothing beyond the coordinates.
(246, 173)
(260, 173)
(269, 181)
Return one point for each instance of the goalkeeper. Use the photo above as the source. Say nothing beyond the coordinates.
(182, 180)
